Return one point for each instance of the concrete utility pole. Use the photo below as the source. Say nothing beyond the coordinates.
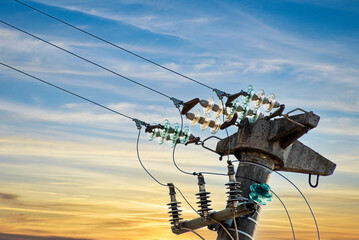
(274, 144)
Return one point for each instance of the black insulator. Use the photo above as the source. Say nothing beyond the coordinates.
(187, 106)
(235, 192)
(233, 97)
(173, 206)
(203, 196)
(227, 124)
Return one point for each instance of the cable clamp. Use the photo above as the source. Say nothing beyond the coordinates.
(176, 102)
(139, 123)
(220, 94)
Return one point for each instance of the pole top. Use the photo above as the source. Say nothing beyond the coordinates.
(278, 141)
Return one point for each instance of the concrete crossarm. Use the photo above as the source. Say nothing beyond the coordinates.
(277, 141)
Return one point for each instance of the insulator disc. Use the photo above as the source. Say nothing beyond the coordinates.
(261, 95)
(186, 135)
(210, 105)
(206, 122)
(197, 115)
(175, 135)
(271, 102)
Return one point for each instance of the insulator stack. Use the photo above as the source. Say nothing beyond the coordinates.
(205, 121)
(166, 133)
(234, 193)
(175, 212)
(203, 196)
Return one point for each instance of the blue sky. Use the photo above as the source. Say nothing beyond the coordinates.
(303, 51)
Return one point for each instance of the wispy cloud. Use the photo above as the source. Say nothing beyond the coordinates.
(9, 196)
(7, 236)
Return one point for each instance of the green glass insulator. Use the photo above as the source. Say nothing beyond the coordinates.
(233, 109)
(260, 193)
(255, 116)
(243, 114)
(153, 134)
(175, 135)
(185, 135)
(249, 96)
(164, 131)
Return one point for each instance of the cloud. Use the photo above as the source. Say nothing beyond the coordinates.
(71, 113)
(7, 236)
(340, 126)
(9, 196)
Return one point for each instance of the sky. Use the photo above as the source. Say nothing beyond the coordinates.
(69, 169)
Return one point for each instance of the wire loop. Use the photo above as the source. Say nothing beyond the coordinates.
(310, 181)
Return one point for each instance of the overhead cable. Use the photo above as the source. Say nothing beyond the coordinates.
(139, 159)
(305, 199)
(285, 208)
(138, 122)
(155, 179)
(115, 45)
(89, 61)
(174, 149)
(67, 91)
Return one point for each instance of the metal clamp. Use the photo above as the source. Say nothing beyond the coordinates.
(220, 94)
(139, 123)
(176, 102)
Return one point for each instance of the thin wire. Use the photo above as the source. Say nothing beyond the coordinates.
(187, 201)
(67, 91)
(174, 149)
(139, 132)
(115, 45)
(194, 232)
(85, 59)
(235, 227)
(162, 184)
(305, 199)
(285, 208)
(173, 157)
(213, 173)
(139, 159)
(224, 228)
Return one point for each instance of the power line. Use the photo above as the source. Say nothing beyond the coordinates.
(115, 45)
(69, 92)
(224, 228)
(109, 109)
(285, 208)
(305, 199)
(194, 233)
(183, 171)
(162, 184)
(85, 59)
(139, 159)
(174, 149)
(100, 105)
